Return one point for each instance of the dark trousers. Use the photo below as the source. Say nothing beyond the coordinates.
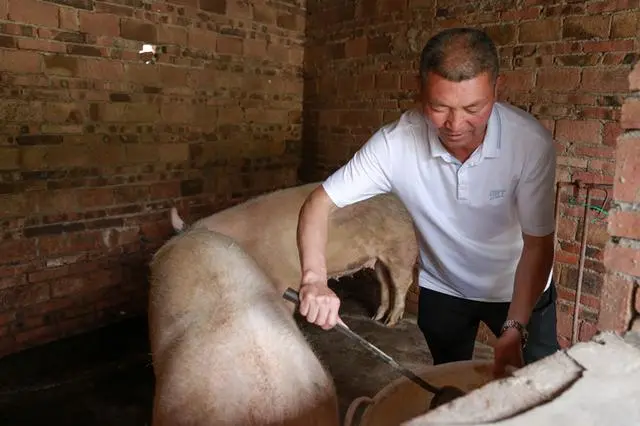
(450, 325)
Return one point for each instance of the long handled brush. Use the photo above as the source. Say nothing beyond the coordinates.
(442, 395)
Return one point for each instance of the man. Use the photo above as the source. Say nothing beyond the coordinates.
(477, 176)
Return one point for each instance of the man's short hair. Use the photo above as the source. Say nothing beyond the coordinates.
(458, 54)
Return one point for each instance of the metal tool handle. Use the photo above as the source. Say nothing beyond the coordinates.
(292, 296)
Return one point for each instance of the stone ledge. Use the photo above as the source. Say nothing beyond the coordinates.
(591, 383)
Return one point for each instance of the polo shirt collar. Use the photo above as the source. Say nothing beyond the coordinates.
(490, 145)
(492, 141)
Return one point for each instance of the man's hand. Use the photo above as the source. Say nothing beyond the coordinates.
(507, 351)
(319, 304)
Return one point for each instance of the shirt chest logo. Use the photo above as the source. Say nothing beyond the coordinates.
(496, 194)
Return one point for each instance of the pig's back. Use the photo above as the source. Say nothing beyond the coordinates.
(224, 346)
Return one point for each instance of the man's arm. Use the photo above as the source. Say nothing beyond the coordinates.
(532, 274)
(364, 176)
(535, 206)
(312, 236)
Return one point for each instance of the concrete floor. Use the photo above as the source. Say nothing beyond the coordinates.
(105, 377)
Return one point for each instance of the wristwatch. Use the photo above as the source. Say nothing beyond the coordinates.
(524, 334)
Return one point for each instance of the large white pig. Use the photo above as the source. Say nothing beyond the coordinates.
(375, 233)
(225, 350)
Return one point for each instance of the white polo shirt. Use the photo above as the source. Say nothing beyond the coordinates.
(469, 216)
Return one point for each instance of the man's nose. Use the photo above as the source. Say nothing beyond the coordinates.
(454, 121)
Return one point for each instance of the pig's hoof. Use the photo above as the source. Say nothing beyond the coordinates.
(380, 314)
(393, 319)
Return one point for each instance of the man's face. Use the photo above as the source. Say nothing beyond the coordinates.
(460, 110)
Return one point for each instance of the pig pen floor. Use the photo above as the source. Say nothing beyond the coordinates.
(105, 377)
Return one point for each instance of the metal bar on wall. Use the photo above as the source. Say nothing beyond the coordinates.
(575, 332)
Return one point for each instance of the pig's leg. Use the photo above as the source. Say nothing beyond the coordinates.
(385, 284)
(402, 276)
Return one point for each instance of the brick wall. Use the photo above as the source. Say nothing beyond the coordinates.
(621, 298)
(565, 62)
(95, 144)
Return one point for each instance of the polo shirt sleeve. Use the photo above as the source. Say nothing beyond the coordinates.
(535, 196)
(366, 174)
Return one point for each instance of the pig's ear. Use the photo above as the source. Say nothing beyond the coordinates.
(176, 220)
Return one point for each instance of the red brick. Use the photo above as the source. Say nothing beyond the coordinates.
(558, 79)
(565, 324)
(572, 162)
(278, 53)
(566, 257)
(634, 77)
(614, 58)
(25, 295)
(569, 295)
(520, 14)
(586, 27)
(599, 113)
(33, 12)
(608, 46)
(592, 177)
(41, 45)
(625, 224)
(540, 30)
(409, 82)
(99, 24)
(611, 5)
(74, 243)
(386, 81)
(624, 25)
(238, 9)
(172, 35)
(631, 114)
(215, 6)
(627, 184)
(48, 274)
(17, 250)
(605, 166)
(586, 331)
(255, 47)
(69, 19)
(356, 47)
(201, 39)
(229, 45)
(4, 10)
(517, 80)
(597, 234)
(611, 133)
(68, 285)
(139, 30)
(599, 152)
(618, 258)
(94, 197)
(501, 34)
(20, 61)
(605, 79)
(616, 303)
(579, 131)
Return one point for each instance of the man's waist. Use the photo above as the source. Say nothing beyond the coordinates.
(498, 288)
(485, 289)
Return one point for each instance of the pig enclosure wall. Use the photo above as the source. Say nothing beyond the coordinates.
(95, 145)
(566, 62)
